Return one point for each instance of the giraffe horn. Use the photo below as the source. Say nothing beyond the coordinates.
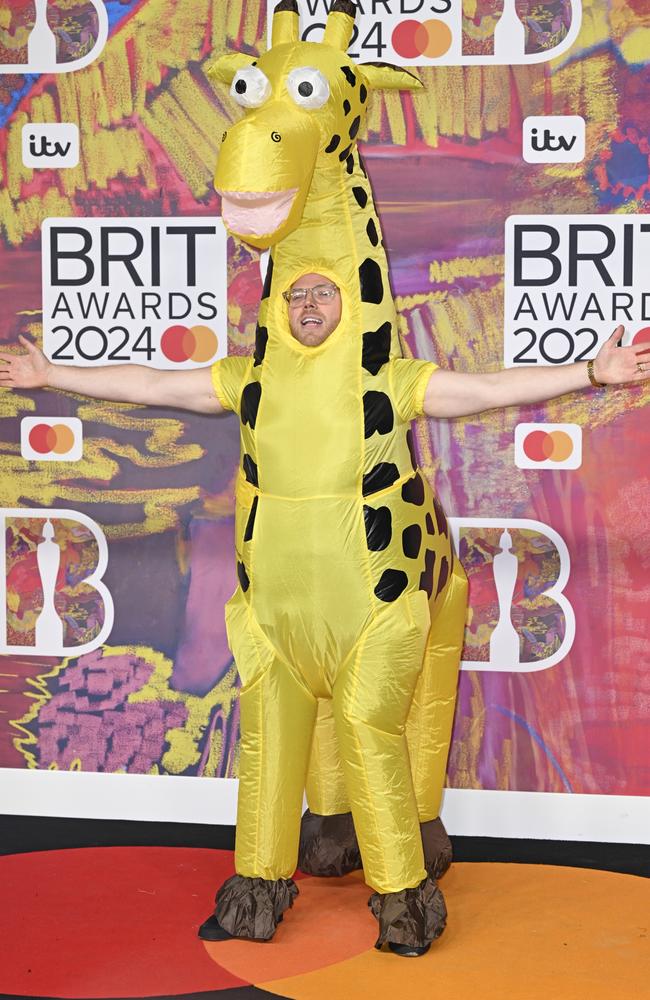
(286, 23)
(340, 24)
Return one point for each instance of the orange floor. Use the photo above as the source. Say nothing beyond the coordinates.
(515, 932)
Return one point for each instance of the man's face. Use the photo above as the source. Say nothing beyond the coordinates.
(312, 320)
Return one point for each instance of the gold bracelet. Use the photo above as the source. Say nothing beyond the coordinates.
(592, 378)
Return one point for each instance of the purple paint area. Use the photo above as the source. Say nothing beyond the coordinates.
(203, 656)
(457, 212)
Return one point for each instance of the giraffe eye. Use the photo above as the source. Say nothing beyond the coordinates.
(308, 87)
(250, 87)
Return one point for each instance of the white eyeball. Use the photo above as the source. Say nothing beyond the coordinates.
(308, 87)
(250, 87)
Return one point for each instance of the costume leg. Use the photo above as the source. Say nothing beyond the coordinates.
(277, 720)
(371, 700)
(328, 843)
(429, 723)
(326, 790)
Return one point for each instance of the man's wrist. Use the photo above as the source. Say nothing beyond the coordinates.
(593, 378)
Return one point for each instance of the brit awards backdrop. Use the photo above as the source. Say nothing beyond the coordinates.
(513, 191)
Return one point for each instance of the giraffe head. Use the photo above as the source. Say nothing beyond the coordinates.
(304, 105)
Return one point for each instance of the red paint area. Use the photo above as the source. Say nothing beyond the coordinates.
(110, 922)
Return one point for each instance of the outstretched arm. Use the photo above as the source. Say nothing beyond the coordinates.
(185, 390)
(456, 394)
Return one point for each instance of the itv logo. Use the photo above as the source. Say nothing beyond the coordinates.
(553, 139)
(50, 145)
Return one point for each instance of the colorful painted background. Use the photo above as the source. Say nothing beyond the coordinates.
(447, 170)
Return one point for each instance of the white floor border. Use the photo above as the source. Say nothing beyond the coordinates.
(466, 812)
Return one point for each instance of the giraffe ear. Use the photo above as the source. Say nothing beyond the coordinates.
(223, 69)
(384, 76)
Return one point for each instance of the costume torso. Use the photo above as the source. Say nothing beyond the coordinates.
(333, 524)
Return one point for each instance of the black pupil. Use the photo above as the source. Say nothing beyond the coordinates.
(305, 89)
(240, 86)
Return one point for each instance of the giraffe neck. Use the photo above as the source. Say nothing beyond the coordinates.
(340, 234)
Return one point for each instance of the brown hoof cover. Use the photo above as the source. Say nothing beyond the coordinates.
(252, 907)
(437, 848)
(328, 845)
(411, 917)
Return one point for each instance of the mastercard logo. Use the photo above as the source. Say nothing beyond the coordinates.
(430, 38)
(51, 439)
(542, 445)
(57, 438)
(184, 343)
(548, 446)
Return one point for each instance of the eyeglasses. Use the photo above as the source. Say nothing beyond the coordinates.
(320, 293)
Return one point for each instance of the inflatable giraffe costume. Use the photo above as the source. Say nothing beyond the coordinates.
(347, 623)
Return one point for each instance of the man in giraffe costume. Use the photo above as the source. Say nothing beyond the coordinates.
(344, 558)
(347, 622)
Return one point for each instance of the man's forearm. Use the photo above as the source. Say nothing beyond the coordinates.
(462, 394)
(519, 386)
(118, 383)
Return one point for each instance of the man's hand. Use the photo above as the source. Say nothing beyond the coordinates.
(24, 371)
(615, 365)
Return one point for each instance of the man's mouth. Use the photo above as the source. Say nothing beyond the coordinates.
(256, 213)
(311, 321)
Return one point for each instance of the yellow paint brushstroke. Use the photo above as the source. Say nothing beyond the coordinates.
(14, 405)
(164, 433)
(395, 113)
(448, 271)
(474, 86)
(18, 221)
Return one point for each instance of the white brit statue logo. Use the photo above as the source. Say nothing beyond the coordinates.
(49, 628)
(42, 54)
(505, 643)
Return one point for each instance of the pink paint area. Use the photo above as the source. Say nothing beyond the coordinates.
(256, 213)
(90, 722)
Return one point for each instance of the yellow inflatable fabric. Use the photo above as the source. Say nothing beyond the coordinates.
(347, 623)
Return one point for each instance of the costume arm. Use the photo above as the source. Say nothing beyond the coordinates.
(458, 394)
(187, 390)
